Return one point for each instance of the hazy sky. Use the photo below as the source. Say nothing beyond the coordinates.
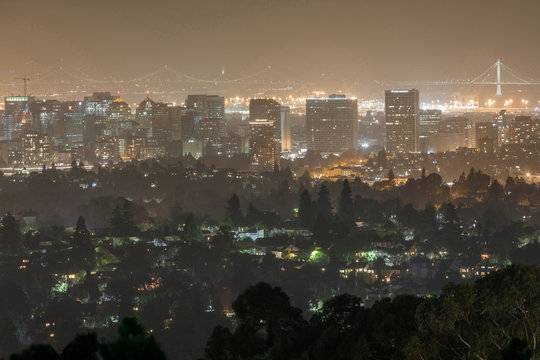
(374, 39)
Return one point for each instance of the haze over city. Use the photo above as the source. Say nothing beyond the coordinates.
(335, 45)
(269, 179)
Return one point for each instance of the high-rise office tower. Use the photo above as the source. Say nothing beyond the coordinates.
(17, 116)
(98, 103)
(36, 149)
(486, 136)
(161, 128)
(175, 121)
(211, 108)
(332, 124)
(285, 128)
(267, 109)
(263, 148)
(73, 113)
(143, 115)
(402, 120)
(525, 131)
(428, 127)
(46, 117)
(118, 117)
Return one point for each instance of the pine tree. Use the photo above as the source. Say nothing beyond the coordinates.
(10, 235)
(345, 206)
(192, 232)
(323, 203)
(83, 253)
(305, 210)
(233, 211)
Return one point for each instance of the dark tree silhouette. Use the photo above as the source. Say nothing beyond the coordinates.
(345, 206)
(192, 231)
(10, 235)
(324, 207)
(133, 344)
(233, 212)
(83, 253)
(306, 210)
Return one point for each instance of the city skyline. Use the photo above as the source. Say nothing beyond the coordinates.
(269, 179)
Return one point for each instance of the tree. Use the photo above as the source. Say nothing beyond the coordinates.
(219, 345)
(10, 235)
(133, 344)
(305, 210)
(253, 215)
(233, 212)
(175, 214)
(345, 206)
(321, 231)
(477, 320)
(262, 306)
(341, 311)
(324, 207)
(223, 241)
(390, 175)
(495, 191)
(122, 220)
(83, 253)
(517, 349)
(192, 232)
(37, 352)
(83, 347)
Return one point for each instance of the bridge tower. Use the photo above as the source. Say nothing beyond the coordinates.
(499, 88)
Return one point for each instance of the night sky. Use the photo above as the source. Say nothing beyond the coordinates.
(364, 40)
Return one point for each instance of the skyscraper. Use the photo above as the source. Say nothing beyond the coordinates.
(285, 128)
(428, 127)
(46, 116)
(524, 131)
(161, 127)
(263, 147)
(267, 109)
(16, 115)
(144, 115)
(211, 109)
(118, 117)
(332, 124)
(73, 112)
(402, 120)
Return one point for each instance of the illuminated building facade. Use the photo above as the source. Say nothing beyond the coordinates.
(264, 151)
(285, 128)
(206, 113)
(17, 116)
(267, 109)
(73, 118)
(36, 149)
(98, 104)
(524, 130)
(143, 115)
(118, 117)
(486, 137)
(430, 121)
(332, 124)
(402, 112)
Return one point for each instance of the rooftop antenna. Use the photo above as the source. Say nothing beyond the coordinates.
(25, 79)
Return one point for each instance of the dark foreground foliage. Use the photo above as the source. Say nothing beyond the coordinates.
(132, 344)
(495, 318)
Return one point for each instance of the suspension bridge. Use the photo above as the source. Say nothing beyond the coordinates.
(498, 75)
